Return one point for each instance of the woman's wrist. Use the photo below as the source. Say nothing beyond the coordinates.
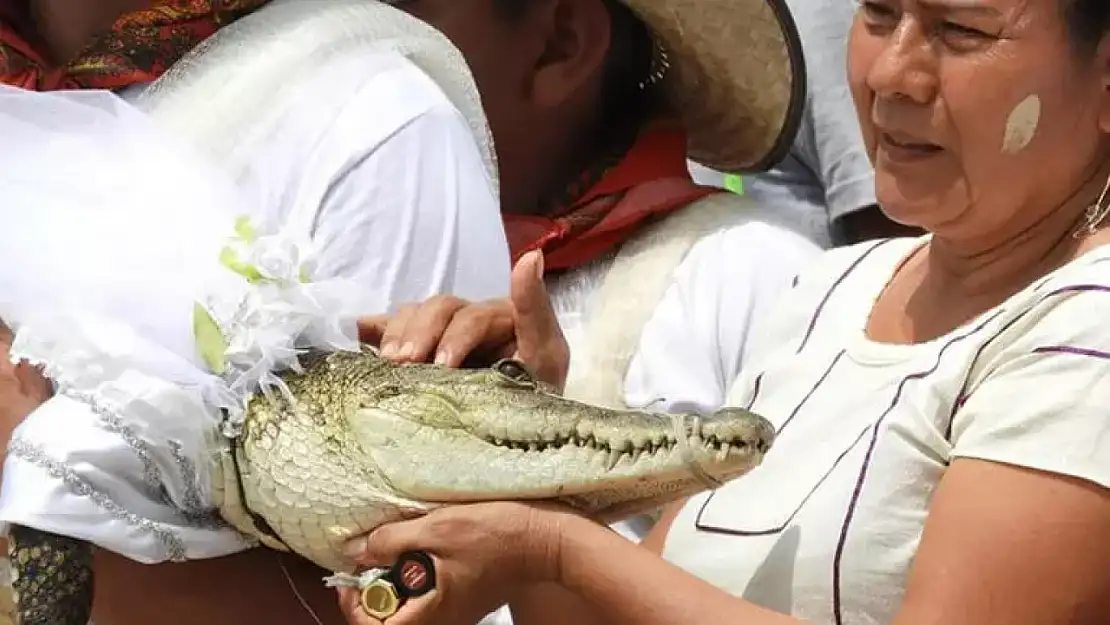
(573, 540)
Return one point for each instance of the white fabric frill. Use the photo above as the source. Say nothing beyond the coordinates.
(131, 270)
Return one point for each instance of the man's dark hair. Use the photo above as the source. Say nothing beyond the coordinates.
(1088, 21)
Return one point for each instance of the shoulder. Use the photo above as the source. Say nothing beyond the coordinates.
(1038, 392)
(1065, 312)
(389, 93)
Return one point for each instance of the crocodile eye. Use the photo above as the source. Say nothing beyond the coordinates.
(515, 372)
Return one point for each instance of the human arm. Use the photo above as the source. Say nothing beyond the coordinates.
(975, 565)
(22, 390)
(1027, 444)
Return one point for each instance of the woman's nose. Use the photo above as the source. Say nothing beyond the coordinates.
(906, 65)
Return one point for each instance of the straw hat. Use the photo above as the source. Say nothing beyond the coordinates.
(733, 70)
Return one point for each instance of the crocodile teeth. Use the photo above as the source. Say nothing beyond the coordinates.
(614, 457)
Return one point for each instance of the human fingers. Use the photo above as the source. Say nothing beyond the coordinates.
(395, 330)
(383, 545)
(418, 610)
(371, 329)
(539, 339)
(426, 326)
(351, 607)
(485, 327)
(32, 383)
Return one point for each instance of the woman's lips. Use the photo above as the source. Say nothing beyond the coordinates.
(902, 149)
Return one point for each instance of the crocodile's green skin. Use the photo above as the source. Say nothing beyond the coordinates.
(373, 442)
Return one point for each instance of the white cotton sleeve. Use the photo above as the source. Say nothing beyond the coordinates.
(414, 214)
(700, 337)
(1045, 402)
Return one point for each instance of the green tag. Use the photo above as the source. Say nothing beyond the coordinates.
(734, 183)
(210, 340)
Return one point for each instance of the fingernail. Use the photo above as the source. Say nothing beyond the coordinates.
(442, 356)
(355, 547)
(539, 265)
(388, 350)
(406, 350)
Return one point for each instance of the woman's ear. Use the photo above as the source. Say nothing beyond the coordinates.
(1102, 65)
(577, 34)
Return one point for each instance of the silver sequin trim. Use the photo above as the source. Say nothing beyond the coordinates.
(195, 513)
(171, 542)
(195, 510)
(111, 422)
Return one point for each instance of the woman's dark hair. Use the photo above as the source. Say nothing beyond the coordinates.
(1088, 21)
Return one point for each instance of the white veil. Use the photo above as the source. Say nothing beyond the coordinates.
(131, 270)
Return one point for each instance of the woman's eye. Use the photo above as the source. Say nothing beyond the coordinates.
(876, 11)
(963, 31)
(960, 38)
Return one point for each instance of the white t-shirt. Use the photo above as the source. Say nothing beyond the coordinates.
(698, 339)
(866, 431)
(373, 159)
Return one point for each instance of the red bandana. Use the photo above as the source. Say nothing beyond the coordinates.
(649, 182)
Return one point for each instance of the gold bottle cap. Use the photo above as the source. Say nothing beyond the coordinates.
(380, 599)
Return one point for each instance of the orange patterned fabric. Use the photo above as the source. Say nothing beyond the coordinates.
(138, 48)
(650, 181)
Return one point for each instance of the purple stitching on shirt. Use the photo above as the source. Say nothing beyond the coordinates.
(774, 530)
(963, 395)
(1070, 349)
(828, 294)
(862, 477)
(758, 383)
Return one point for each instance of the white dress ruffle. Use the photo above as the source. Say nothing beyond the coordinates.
(129, 269)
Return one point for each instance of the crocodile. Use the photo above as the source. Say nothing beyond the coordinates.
(359, 441)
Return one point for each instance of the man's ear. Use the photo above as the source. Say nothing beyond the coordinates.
(576, 42)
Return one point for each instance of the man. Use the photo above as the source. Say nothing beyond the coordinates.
(556, 77)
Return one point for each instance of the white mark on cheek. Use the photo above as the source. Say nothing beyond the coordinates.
(1021, 125)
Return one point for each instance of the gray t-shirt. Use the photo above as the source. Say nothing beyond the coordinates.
(827, 173)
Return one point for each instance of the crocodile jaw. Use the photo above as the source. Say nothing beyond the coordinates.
(358, 442)
(609, 465)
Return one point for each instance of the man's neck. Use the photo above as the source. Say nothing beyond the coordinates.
(65, 27)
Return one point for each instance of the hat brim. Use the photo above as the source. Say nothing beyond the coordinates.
(736, 77)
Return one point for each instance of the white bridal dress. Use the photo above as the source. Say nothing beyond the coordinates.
(158, 298)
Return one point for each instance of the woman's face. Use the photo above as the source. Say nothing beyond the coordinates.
(976, 103)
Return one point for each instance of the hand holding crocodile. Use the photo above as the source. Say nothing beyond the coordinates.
(452, 331)
(483, 553)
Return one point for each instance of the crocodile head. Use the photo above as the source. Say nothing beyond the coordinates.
(449, 436)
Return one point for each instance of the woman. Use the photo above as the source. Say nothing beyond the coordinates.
(941, 402)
